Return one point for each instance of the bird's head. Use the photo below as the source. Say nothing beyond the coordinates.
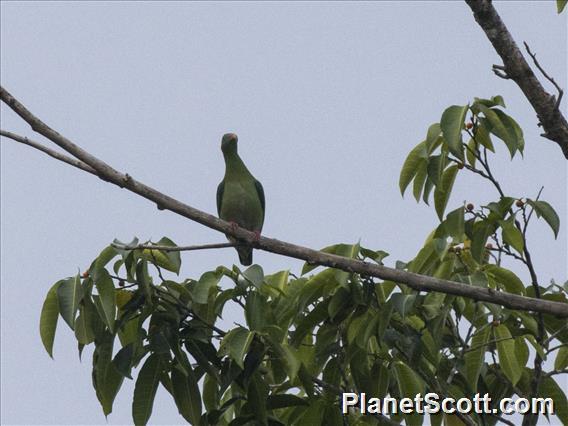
(229, 142)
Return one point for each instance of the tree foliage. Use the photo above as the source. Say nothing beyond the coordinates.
(301, 341)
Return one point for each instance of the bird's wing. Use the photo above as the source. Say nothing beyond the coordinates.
(260, 192)
(220, 190)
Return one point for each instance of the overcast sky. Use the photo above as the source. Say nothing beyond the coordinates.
(327, 100)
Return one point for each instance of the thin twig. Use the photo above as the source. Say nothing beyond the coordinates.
(532, 210)
(554, 372)
(556, 333)
(52, 153)
(176, 248)
(549, 78)
(555, 348)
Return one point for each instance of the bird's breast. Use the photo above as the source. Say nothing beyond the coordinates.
(241, 205)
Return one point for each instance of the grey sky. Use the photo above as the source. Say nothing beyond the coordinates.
(327, 100)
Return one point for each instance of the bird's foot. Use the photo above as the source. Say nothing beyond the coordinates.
(256, 236)
(234, 226)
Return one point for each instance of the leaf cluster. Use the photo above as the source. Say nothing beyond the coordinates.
(299, 342)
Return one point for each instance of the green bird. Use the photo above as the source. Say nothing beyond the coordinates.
(240, 197)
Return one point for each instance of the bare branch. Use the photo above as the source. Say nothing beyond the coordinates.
(517, 69)
(537, 64)
(555, 372)
(413, 280)
(57, 155)
(499, 71)
(177, 248)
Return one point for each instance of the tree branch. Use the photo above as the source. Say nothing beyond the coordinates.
(176, 248)
(544, 73)
(516, 68)
(57, 155)
(414, 281)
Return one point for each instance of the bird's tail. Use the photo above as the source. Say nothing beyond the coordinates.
(245, 255)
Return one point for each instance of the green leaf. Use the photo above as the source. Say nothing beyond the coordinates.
(257, 311)
(339, 302)
(528, 321)
(48, 318)
(409, 385)
(432, 304)
(427, 257)
(470, 152)
(177, 290)
(494, 101)
(169, 260)
(207, 282)
(446, 268)
(521, 351)
(403, 303)
(483, 137)
(313, 415)
(307, 323)
(561, 361)
(452, 124)
(506, 278)
(385, 320)
(186, 395)
(145, 390)
(107, 298)
(256, 397)
(560, 5)
(547, 212)
(210, 393)
(419, 180)
(433, 136)
(106, 255)
(512, 235)
(513, 129)
(69, 294)
(107, 380)
(443, 191)
(504, 132)
(454, 224)
(123, 360)
(410, 166)
(174, 259)
(507, 357)
(550, 389)
(357, 327)
(474, 358)
(376, 255)
(235, 344)
(428, 186)
(286, 354)
(436, 165)
(346, 250)
(538, 348)
(276, 401)
(84, 332)
(278, 280)
(481, 231)
(255, 275)
(498, 210)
